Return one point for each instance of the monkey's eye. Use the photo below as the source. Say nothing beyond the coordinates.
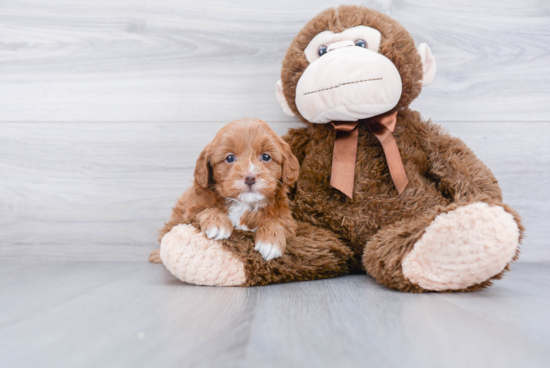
(361, 43)
(266, 157)
(322, 50)
(229, 159)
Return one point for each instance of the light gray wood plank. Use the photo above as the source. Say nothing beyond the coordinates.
(148, 318)
(23, 284)
(167, 60)
(524, 289)
(355, 322)
(100, 191)
(142, 320)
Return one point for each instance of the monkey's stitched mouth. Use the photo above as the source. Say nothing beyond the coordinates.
(343, 84)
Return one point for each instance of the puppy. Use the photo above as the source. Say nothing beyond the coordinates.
(241, 181)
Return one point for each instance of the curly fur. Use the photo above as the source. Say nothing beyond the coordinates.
(313, 254)
(219, 185)
(379, 225)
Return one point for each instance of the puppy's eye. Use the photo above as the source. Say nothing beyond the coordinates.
(322, 50)
(266, 157)
(361, 43)
(229, 159)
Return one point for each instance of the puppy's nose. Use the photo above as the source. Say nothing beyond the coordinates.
(250, 180)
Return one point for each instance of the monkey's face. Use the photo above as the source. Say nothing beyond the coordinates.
(347, 79)
(361, 71)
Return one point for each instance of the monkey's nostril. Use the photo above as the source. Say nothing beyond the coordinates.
(250, 180)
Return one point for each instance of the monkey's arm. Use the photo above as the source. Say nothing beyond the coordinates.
(459, 173)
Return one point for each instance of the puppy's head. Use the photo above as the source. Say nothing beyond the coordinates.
(246, 161)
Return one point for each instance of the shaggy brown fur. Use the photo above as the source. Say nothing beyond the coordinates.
(379, 227)
(217, 183)
(313, 254)
(443, 173)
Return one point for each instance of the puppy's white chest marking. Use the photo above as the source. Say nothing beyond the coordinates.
(236, 211)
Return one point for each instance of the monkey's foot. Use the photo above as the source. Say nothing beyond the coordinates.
(463, 247)
(192, 258)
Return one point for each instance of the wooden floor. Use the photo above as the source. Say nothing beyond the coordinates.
(120, 314)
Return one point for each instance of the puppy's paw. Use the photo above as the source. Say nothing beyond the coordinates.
(268, 250)
(215, 225)
(218, 233)
(270, 240)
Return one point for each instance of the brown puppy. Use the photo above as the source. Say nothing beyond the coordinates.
(241, 181)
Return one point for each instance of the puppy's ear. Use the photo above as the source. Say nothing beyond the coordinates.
(202, 168)
(291, 166)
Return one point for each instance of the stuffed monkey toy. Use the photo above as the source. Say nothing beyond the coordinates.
(380, 191)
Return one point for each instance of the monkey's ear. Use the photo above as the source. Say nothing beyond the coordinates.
(202, 168)
(281, 98)
(428, 63)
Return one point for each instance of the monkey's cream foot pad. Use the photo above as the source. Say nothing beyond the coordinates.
(463, 247)
(193, 258)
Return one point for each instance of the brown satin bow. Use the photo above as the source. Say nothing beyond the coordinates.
(345, 152)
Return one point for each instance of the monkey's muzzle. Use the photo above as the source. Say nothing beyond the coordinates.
(348, 84)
